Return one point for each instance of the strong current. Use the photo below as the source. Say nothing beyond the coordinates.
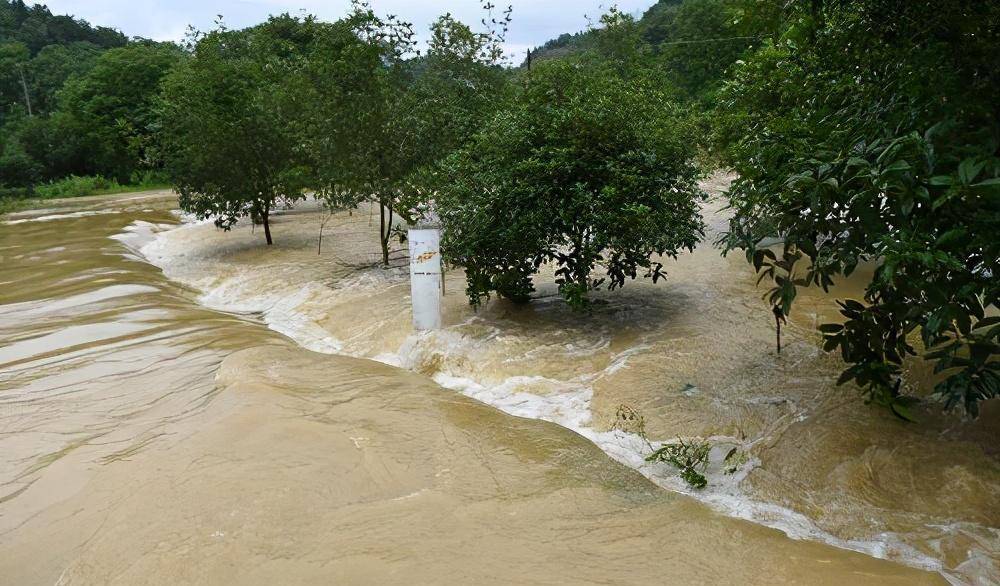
(180, 405)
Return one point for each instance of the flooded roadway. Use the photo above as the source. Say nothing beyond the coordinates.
(157, 427)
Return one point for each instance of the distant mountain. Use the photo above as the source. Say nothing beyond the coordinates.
(655, 24)
(36, 28)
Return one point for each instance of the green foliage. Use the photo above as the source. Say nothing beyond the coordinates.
(688, 44)
(354, 84)
(74, 186)
(690, 457)
(114, 104)
(18, 198)
(460, 87)
(858, 141)
(70, 106)
(377, 121)
(658, 19)
(586, 169)
(699, 44)
(226, 122)
(14, 57)
(618, 42)
(53, 66)
(36, 27)
(39, 52)
(17, 167)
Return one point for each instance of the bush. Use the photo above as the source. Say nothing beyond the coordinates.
(14, 192)
(74, 186)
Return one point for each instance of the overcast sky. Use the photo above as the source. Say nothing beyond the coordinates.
(535, 21)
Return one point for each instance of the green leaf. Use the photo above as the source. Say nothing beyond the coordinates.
(950, 236)
(896, 166)
(969, 169)
(987, 322)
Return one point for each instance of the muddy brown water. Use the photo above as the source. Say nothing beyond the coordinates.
(180, 405)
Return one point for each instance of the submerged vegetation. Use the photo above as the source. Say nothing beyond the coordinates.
(868, 132)
(862, 133)
(690, 457)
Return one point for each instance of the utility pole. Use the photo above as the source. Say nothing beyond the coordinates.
(24, 86)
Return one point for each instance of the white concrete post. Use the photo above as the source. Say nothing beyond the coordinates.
(425, 278)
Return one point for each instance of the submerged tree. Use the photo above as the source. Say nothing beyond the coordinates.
(351, 90)
(587, 169)
(869, 133)
(227, 123)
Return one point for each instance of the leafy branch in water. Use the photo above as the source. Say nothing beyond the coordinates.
(629, 420)
(856, 147)
(690, 457)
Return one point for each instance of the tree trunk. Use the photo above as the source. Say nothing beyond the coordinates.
(779, 318)
(384, 231)
(267, 225)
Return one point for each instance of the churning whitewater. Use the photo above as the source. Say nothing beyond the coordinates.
(693, 357)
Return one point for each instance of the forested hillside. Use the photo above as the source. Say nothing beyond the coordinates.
(74, 99)
(693, 41)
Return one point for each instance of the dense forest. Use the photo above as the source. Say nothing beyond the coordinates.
(860, 131)
(75, 100)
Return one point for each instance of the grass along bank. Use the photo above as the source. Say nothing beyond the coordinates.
(73, 186)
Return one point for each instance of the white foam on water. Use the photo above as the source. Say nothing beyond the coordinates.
(723, 493)
(237, 292)
(565, 403)
(51, 217)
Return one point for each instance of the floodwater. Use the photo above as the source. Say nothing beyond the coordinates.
(180, 405)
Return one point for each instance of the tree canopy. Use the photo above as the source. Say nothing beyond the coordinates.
(587, 169)
(379, 114)
(226, 123)
(36, 27)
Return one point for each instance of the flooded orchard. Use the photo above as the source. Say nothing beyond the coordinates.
(182, 405)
